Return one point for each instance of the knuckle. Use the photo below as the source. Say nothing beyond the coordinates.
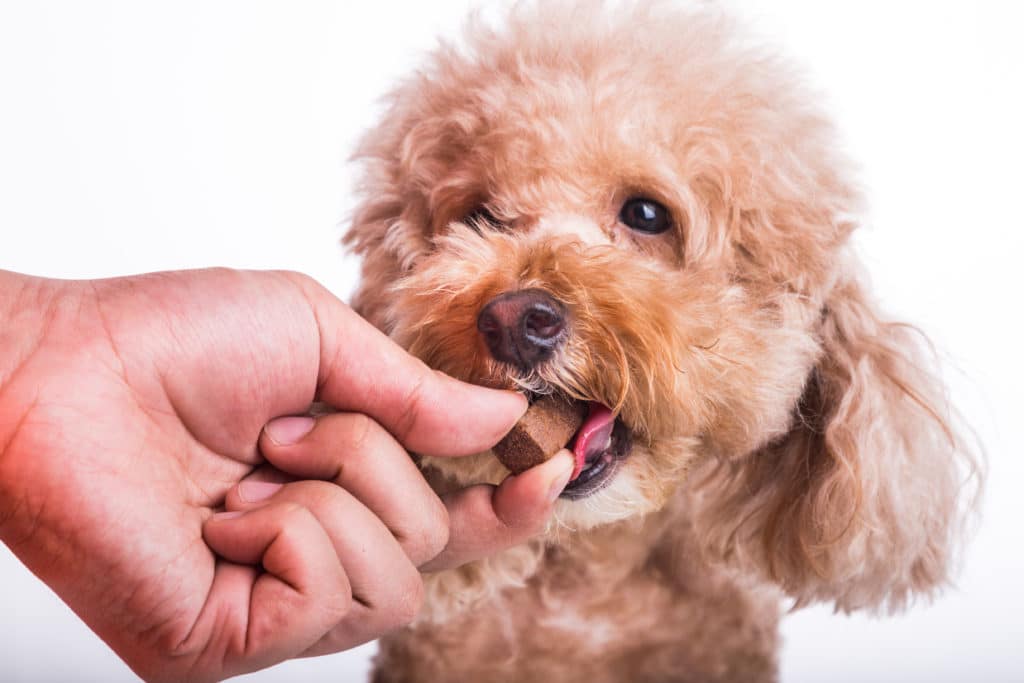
(436, 530)
(303, 281)
(408, 602)
(337, 600)
(410, 415)
(362, 431)
(427, 535)
(292, 513)
(317, 497)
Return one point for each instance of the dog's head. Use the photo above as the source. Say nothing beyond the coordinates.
(632, 209)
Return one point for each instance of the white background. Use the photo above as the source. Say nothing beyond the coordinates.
(137, 136)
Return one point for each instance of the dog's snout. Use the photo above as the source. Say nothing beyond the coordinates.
(522, 328)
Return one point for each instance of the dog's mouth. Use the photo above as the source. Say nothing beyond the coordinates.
(600, 445)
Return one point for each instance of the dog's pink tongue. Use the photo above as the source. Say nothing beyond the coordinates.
(594, 436)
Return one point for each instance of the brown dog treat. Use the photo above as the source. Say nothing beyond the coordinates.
(545, 429)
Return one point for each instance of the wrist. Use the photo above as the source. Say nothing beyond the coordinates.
(26, 303)
(27, 311)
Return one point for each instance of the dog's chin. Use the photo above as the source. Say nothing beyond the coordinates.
(623, 496)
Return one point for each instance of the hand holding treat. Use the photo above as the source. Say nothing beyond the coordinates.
(545, 429)
(553, 423)
(199, 541)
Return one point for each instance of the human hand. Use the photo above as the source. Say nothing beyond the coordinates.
(131, 409)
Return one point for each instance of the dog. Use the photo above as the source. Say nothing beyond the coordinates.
(663, 212)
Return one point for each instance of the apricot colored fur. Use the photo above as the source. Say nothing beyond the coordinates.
(788, 441)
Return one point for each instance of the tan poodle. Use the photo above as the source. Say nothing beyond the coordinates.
(661, 218)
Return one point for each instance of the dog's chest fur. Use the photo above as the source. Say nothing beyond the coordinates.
(632, 602)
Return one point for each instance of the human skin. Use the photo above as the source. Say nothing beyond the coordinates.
(140, 479)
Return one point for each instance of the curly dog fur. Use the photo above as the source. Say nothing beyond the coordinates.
(787, 440)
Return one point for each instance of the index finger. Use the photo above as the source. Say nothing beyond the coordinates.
(362, 370)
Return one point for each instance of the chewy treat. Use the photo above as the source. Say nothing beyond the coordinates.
(546, 428)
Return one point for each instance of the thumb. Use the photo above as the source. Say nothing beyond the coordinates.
(362, 370)
(487, 519)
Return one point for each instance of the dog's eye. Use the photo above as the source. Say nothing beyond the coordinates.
(481, 218)
(645, 215)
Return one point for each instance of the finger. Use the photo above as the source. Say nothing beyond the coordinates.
(299, 596)
(361, 626)
(382, 579)
(356, 453)
(487, 519)
(362, 370)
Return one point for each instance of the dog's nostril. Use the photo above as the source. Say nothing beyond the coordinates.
(488, 323)
(542, 323)
(522, 328)
(490, 327)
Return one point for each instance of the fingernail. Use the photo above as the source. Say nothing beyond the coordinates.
(559, 482)
(286, 431)
(255, 491)
(221, 516)
(521, 405)
(524, 404)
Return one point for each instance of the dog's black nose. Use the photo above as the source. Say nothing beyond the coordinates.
(522, 328)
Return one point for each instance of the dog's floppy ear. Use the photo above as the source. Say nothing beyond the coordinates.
(863, 501)
(388, 224)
